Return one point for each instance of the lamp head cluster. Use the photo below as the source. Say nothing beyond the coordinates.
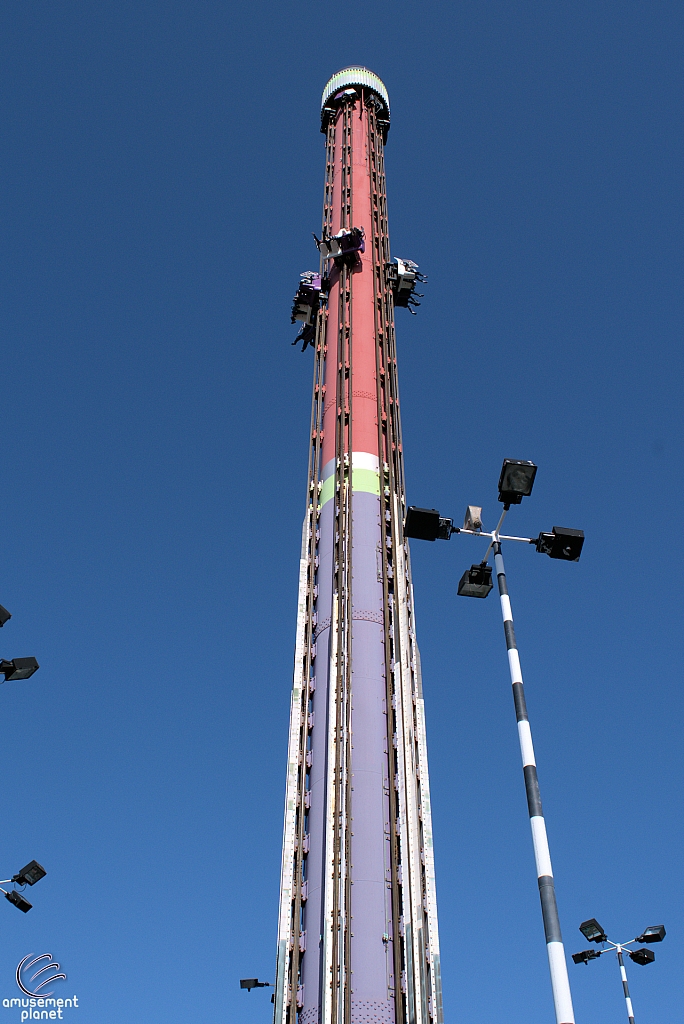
(515, 483)
(593, 931)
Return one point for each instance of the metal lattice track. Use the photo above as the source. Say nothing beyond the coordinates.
(340, 1002)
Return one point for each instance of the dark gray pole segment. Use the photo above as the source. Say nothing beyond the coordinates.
(625, 987)
(560, 983)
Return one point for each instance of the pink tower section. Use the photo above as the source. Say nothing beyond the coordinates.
(364, 382)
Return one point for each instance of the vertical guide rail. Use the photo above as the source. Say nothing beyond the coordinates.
(290, 945)
(341, 934)
(379, 254)
(418, 995)
(345, 923)
(560, 983)
(325, 993)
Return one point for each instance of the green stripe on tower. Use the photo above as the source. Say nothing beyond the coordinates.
(366, 480)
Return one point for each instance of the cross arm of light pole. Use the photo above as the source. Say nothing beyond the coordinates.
(427, 524)
(494, 535)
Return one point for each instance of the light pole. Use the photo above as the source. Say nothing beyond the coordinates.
(593, 931)
(515, 483)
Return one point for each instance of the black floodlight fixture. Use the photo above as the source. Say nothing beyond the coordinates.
(422, 523)
(656, 933)
(516, 480)
(642, 956)
(476, 581)
(593, 931)
(427, 524)
(32, 873)
(250, 983)
(586, 955)
(18, 668)
(4, 615)
(19, 901)
(561, 543)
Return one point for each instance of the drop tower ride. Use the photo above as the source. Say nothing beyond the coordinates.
(357, 930)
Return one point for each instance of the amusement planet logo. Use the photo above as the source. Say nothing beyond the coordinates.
(38, 1001)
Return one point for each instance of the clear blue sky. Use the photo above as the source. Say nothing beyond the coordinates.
(162, 172)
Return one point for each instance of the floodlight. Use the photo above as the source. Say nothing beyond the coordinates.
(250, 983)
(19, 901)
(18, 668)
(593, 931)
(586, 955)
(476, 581)
(427, 524)
(561, 543)
(4, 615)
(642, 956)
(516, 480)
(422, 523)
(32, 873)
(656, 933)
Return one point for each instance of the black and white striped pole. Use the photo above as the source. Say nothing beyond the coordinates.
(560, 983)
(625, 986)
(515, 482)
(593, 931)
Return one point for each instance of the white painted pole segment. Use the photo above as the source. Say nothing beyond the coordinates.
(540, 842)
(560, 983)
(526, 748)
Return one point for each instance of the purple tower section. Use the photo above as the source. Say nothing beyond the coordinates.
(371, 976)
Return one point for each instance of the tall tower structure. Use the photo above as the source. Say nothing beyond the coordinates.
(357, 930)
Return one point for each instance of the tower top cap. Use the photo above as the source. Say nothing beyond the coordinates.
(356, 76)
